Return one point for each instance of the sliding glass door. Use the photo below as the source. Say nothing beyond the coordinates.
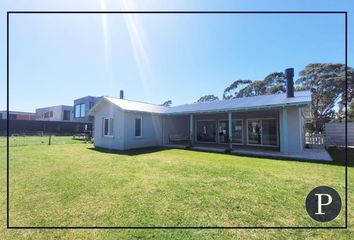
(269, 132)
(206, 131)
(254, 131)
(223, 131)
(237, 131)
(262, 132)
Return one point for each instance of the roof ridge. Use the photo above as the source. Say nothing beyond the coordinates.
(137, 101)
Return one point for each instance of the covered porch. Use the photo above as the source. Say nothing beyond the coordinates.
(274, 133)
(231, 130)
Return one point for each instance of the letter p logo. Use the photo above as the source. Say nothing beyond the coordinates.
(320, 202)
(323, 204)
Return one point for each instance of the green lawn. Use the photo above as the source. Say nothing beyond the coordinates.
(77, 185)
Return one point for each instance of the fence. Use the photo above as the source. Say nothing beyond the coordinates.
(45, 140)
(315, 140)
(335, 134)
(29, 127)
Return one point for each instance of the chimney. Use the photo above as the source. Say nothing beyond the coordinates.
(289, 75)
(121, 94)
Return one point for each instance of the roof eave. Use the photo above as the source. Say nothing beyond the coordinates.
(266, 107)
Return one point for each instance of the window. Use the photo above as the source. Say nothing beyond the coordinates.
(107, 126)
(91, 105)
(48, 114)
(254, 132)
(66, 115)
(80, 110)
(262, 132)
(269, 132)
(237, 131)
(138, 127)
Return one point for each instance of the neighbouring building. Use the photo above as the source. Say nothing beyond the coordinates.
(82, 106)
(273, 122)
(55, 113)
(15, 115)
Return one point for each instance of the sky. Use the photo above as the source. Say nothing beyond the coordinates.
(55, 59)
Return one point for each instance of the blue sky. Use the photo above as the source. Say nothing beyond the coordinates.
(57, 58)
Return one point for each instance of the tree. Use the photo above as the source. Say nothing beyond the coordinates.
(168, 103)
(271, 84)
(351, 111)
(208, 98)
(340, 114)
(326, 81)
(231, 91)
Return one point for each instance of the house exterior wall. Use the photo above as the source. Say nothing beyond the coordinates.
(151, 130)
(89, 102)
(110, 142)
(58, 113)
(291, 134)
(156, 128)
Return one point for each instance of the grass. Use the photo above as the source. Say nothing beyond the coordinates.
(78, 185)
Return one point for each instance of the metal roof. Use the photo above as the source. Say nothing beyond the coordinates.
(301, 98)
(129, 105)
(245, 103)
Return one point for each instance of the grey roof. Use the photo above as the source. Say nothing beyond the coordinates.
(129, 105)
(301, 98)
(245, 103)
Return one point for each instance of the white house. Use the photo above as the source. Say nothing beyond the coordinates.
(273, 122)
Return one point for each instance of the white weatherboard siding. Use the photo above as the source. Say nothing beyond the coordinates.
(117, 140)
(151, 130)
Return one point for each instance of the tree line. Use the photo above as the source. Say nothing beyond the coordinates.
(325, 81)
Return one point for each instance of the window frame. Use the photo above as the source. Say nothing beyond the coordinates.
(195, 130)
(240, 120)
(81, 114)
(261, 120)
(141, 127)
(110, 128)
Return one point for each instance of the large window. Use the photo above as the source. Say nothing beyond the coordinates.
(80, 110)
(108, 127)
(206, 131)
(138, 127)
(262, 132)
(237, 131)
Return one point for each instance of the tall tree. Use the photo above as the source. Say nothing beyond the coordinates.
(168, 103)
(208, 98)
(232, 90)
(326, 81)
(271, 84)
